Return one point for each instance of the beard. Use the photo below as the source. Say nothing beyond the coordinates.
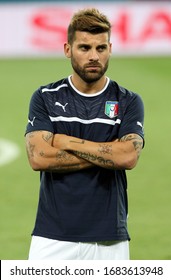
(88, 74)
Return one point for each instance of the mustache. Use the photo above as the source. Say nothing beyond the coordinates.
(96, 64)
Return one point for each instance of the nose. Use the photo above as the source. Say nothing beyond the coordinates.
(93, 55)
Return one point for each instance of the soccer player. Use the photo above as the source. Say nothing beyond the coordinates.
(83, 133)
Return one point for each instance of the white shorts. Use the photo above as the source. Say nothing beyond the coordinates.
(48, 249)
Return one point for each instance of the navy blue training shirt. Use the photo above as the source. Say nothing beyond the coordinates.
(87, 205)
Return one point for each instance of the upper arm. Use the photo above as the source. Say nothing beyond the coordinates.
(133, 119)
(136, 140)
(39, 132)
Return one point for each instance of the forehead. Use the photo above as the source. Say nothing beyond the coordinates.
(83, 37)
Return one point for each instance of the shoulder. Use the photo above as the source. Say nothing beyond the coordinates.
(54, 86)
(46, 90)
(124, 93)
(44, 93)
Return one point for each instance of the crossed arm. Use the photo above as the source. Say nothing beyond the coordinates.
(42, 155)
(62, 153)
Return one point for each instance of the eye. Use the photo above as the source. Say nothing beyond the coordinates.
(102, 48)
(84, 48)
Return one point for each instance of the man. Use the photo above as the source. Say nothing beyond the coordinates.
(83, 132)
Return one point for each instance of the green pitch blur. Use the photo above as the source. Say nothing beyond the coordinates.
(148, 184)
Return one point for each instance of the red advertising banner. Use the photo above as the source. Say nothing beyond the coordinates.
(39, 29)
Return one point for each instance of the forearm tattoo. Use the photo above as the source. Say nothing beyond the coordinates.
(47, 136)
(107, 163)
(103, 149)
(30, 150)
(137, 142)
(78, 142)
(30, 147)
(65, 162)
(106, 149)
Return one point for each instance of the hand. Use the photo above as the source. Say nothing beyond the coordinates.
(60, 141)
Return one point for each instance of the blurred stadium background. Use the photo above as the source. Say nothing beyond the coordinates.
(31, 56)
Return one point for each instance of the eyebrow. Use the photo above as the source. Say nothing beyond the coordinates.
(88, 45)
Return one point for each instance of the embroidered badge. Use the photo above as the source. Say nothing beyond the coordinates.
(111, 109)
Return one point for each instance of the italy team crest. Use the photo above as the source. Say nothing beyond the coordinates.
(111, 109)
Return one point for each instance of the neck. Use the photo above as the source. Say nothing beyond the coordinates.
(88, 88)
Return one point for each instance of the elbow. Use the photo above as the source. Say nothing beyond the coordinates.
(37, 165)
(130, 165)
(131, 162)
(127, 163)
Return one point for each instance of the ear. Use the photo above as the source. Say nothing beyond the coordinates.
(110, 48)
(67, 50)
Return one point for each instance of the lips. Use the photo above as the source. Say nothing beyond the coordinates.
(93, 67)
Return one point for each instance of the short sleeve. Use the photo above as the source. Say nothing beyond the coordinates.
(133, 119)
(38, 117)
